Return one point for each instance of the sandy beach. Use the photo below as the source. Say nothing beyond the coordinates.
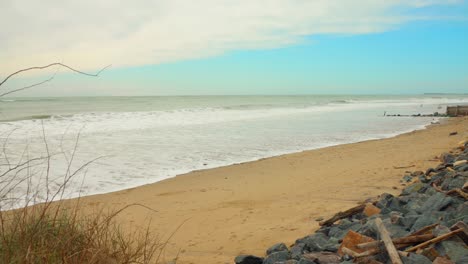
(247, 207)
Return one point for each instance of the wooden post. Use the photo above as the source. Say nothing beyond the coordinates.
(387, 240)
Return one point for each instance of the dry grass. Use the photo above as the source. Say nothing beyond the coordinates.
(48, 234)
(48, 230)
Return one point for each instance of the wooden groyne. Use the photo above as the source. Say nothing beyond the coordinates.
(459, 110)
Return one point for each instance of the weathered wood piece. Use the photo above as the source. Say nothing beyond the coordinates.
(341, 215)
(424, 230)
(354, 254)
(403, 167)
(402, 240)
(463, 235)
(387, 240)
(434, 240)
(459, 192)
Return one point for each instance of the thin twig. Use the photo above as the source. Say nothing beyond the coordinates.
(50, 65)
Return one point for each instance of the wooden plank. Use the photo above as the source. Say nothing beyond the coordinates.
(387, 240)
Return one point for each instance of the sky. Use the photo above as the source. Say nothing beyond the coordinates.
(222, 47)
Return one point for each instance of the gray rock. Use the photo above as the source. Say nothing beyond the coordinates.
(407, 178)
(341, 230)
(291, 261)
(321, 258)
(426, 219)
(332, 244)
(423, 179)
(276, 257)
(306, 261)
(416, 259)
(462, 260)
(315, 242)
(447, 158)
(461, 168)
(453, 248)
(413, 188)
(248, 259)
(297, 251)
(436, 202)
(388, 203)
(451, 183)
(408, 221)
(276, 248)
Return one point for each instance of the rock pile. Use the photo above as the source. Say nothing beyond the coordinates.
(426, 223)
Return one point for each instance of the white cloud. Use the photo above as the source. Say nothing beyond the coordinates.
(91, 33)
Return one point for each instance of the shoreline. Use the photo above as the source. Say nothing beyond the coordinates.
(442, 120)
(255, 204)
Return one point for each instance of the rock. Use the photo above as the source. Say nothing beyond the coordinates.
(321, 258)
(318, 219)
(276, 248)
(394, 230)
(447, 158)
(332, 245)
(453, 182)
(275, 257)
(428, 218)
(371, 210)
(453, 248)
(415, 187)
(291, 261)
(408, 221)
(351, 240)
(407, 178)
(388, 203)
(416, 259)
(248, 259)
(453, 133)
(297, 251)
(315, 242)
(340, 230)
(436, 202)
(462, 260)
(462, 168)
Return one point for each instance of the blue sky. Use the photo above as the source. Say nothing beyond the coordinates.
(424, 48)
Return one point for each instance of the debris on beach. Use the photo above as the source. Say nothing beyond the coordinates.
(426, 223)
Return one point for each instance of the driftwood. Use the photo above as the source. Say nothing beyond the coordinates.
(354, 254)
(341, 215)
(424, 230)
(404, 167)
(434, 240)
(402, 240)
(387, 240)
(456, 191)
(463, 235)
(459, 192)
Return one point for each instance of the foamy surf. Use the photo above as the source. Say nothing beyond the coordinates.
(139, 147)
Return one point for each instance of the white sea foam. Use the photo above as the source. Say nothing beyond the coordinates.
(140, 147)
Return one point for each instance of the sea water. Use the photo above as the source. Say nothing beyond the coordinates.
(104, 144)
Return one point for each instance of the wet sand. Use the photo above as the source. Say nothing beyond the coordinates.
(247, 207)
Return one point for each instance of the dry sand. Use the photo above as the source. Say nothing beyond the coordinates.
(247, 207)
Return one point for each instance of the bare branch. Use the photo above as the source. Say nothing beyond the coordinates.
(27, 87)
(50, 65)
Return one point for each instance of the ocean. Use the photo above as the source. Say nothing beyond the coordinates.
(104, 144)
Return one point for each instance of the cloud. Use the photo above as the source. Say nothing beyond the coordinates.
(91, 33)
